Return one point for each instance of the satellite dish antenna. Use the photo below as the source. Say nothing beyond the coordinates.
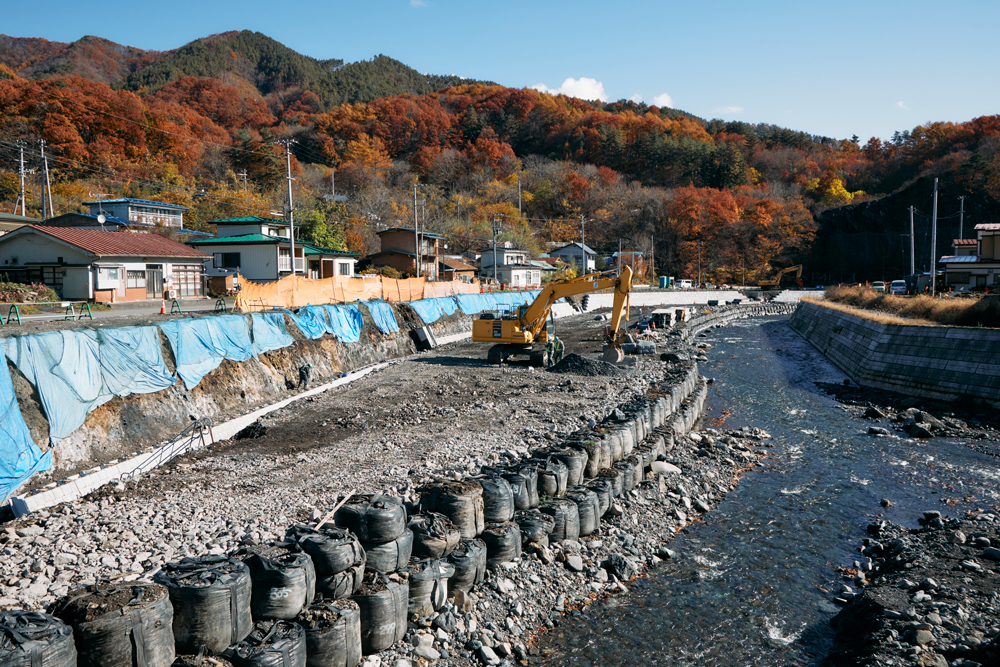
(102, 218)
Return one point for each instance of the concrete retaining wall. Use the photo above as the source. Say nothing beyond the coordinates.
(725, 314)
(930, 361)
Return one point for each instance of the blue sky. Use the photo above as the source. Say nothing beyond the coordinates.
(834, 69)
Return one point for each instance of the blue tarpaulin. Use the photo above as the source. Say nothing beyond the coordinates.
(200, 345)
(431, 310)
(269, 332)
(471, 304)
(345, 323)
(78, 371)
(383, 316)
(311, 321)
(20, 457)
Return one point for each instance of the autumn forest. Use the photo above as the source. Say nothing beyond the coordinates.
(198, 126)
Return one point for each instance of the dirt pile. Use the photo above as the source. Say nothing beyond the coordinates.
(576, 364)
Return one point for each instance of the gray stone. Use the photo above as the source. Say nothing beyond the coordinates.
(878, 430)
(919, 431)
(922, 637)
(664, 467)
(574, 563)
(874, 413)
(426, 652)
(620, 566)
(488, 656)
(992, 553)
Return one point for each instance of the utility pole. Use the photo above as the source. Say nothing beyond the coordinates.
(583, 244)
(519, 195)
(333, 181)
(913, 256)
(21, 197)
(934, 241)
(652, 249)
(961, 216)
(287, 143)
(416, 235)
(46, 185)
(496, 229)
(243, 175)
(699, 261)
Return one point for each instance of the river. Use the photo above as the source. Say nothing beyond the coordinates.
(753, 584)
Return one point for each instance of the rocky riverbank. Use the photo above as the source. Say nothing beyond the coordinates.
(928, 596)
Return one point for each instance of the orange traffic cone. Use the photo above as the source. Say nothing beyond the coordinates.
(163, 307)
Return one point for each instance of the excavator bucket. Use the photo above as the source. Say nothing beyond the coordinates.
(613, 354)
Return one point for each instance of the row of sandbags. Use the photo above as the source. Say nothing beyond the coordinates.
(328, 594)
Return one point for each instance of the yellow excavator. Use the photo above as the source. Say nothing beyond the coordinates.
(516, 332)
(776, 281)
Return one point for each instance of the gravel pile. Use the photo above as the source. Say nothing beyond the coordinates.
(579, 365)
(928, 596)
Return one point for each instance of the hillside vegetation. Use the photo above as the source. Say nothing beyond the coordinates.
(197, 126)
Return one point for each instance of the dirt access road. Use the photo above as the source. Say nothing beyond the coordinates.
(441, 412)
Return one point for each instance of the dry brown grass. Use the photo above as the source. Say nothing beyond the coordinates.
(921, 309)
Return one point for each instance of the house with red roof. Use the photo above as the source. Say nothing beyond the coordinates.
(102, 266)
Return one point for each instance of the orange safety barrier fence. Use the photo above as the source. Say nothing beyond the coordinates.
(298, 291)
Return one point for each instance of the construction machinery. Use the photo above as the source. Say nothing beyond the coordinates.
(776, 281)
(523, 331)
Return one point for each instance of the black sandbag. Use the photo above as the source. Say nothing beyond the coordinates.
(469, 560)
(605, 490)
(575, 460)
(552, 477)
(638, 468)
(333, 633)
(284, 579)
(120, 626)
(270, 644)
(211, 599)
(614, 476)
(434, 535)
(645, 454)
(428, 590)
(627, 469)
(462, 502)
(567, 519)
(341, 585)
(382, 602)
(503, 543)
(200, 660)
(332, 549)
(523, 480)
(534, 526)
(375, 519)
(31, 638)
(390, 556)
(498, 498)
(597, 453)
(588, 506)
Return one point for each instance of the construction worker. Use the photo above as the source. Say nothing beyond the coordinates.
(550, 351)
(304, 372)
(557, 350)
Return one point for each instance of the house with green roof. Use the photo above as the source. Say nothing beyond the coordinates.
(259, 249)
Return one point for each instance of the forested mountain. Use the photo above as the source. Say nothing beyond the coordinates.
(197, 126)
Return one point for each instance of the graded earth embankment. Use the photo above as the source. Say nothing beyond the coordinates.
(943, 362)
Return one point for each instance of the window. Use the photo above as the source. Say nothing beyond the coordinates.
(344, 268)
(188, 279)
(226, 260)
(284, 259)
(135, 279)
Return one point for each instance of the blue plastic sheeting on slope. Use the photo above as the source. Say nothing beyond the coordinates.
(269, 332)
(471, 304)
(447, 304)
(20, 457)
(345, 323)
(78, 371)
(311, 321)
(201, 344)
(428, 310)
(382, 315)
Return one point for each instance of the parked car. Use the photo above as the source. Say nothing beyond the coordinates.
(878, 286)
(897, 287)
(685, 284)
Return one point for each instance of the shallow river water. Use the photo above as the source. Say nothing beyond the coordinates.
(752, 584)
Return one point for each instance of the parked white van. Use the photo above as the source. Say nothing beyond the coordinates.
(685, 284)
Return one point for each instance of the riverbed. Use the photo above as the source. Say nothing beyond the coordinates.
(753, 583)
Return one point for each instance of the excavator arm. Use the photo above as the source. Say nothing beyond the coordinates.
(533, 318)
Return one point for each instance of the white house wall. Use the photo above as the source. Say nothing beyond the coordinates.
(34, 248)
(258, 262)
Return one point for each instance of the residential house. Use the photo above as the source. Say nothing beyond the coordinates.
(103, 266)
(11, 221)
(259, 249)
(398, 250)
(142, 212)
(506, 255)
(578, 254)
(520, 276)
(630, 258)
(453, 268)
(976, 262)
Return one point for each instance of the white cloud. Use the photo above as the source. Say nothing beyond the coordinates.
(584, 88)
(637, 98)
(902, 105)
(729, 110)
(418, 3)
(664, 100)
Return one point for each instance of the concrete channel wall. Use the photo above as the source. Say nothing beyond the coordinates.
(725, 314)
(929, 361)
